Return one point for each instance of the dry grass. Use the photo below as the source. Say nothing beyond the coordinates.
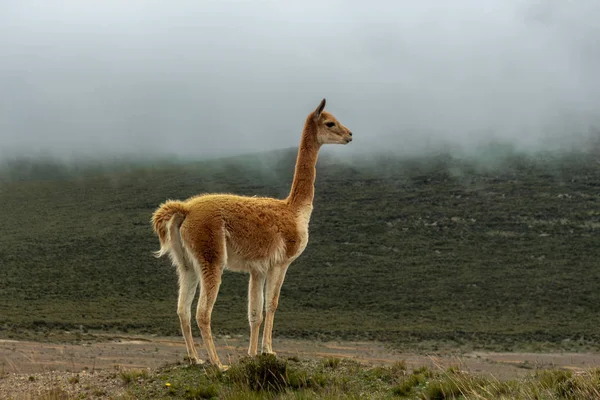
(267, 377)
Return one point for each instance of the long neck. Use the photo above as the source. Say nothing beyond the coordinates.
(303, 187)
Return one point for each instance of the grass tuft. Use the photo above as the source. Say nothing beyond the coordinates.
(331, 362)
(264, 372)
(417, 379)
(441, 390)
(201, 392)
(133, 375)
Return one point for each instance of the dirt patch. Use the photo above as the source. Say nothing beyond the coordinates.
(32, 366)
(61, 385)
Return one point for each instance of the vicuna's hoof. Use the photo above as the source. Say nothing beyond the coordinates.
(196, 361)
(223, 368)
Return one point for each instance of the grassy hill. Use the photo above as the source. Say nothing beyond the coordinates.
(425, 252)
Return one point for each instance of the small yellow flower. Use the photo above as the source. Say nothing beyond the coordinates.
(167, 384)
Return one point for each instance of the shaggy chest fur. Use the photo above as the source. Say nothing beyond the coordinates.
(280, 242)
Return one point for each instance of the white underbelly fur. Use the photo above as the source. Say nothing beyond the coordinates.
(238, 263)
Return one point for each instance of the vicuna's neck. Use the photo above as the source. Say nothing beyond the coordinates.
(303, 187)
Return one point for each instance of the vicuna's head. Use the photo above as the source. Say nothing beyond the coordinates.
(328, 129)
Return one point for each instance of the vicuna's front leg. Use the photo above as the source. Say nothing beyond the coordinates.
(210, 281)
(255, 309)
(275, 279)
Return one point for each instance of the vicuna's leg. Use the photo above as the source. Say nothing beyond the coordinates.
(275, 279)
(188, 282)
(210, 281)
(255, 309)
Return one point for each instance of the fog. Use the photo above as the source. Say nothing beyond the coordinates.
(205, 78)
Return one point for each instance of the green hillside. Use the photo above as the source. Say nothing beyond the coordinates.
(424, 252)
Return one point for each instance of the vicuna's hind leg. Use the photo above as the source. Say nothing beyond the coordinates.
(255, 308)
(210, 281)
(275, 279)
(188, 282)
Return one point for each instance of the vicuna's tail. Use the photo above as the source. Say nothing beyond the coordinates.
(166, 221)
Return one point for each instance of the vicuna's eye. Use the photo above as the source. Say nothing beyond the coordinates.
(330, 124)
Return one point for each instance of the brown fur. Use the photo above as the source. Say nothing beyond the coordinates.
(262, 236)
(163, 215)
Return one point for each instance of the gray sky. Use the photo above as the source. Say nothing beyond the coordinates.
(210, 77)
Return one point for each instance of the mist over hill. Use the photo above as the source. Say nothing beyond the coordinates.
(198, 79)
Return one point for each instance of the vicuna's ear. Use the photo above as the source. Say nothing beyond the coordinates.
(320, 109)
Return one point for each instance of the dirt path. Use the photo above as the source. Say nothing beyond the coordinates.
(23, 357)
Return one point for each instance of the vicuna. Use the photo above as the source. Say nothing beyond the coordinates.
(205, 234)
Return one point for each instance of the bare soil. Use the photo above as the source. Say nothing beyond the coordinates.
(28, 367)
